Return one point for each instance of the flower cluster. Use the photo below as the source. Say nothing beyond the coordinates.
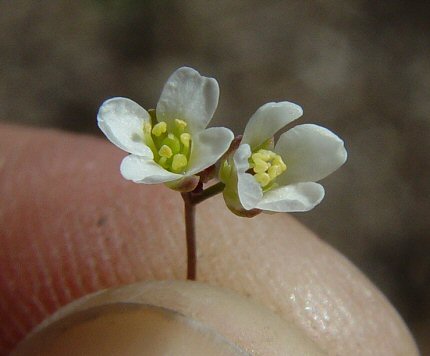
(172, 145)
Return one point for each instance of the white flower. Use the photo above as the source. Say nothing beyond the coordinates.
(170, 144)
(280, 178)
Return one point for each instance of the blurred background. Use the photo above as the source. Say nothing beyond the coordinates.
(360, 68)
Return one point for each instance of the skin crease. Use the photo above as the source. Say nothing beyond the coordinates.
(71, 225)
(247, 328)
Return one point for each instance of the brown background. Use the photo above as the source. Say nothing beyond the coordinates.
(361, 68)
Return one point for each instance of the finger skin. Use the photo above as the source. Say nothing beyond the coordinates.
(70, 225)
(227, 323)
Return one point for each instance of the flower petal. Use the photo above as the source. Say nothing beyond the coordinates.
(249, 191)
(268, 120)
(143, 170)
(122, 120)
(207, 147)
(294, 197)
(190, 97)
(241, 157)
(311, 152)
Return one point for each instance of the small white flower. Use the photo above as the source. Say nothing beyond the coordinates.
(171, 144)
(281, 177)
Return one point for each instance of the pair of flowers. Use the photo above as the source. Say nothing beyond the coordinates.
(172, 145)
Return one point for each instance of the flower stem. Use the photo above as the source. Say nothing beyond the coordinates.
(190, 233)
(207, 193)
(191, 199)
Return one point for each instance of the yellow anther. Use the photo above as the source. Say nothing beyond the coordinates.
(264, 155)
(267, 165)
(185, 139)
(165, 151)
(170, 144)
(179, 163)
(256, 156)
(180, 124)
(260, 166)
(278, 161)
(159, 129)
(263, 179)
(274, 171)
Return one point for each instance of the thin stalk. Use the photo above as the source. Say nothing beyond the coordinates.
(197, 198)
(191, 199)
(190, 233)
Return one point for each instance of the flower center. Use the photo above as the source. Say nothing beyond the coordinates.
(171, 146)
(266, 166)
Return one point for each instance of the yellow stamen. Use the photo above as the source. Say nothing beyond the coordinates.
(180, 124)
(264, 155)
(279, 162)
(262, 178)
(170, 143)
(159, 129)
(274, 171)
(165, 151)
(267, 166)
(179, 127)
(260, 166)
(185, 139)
(179, 162)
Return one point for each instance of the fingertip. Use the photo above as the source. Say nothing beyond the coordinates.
(170, 317)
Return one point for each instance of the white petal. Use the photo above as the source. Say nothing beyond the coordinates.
(290, 198)
(241, 157)
(268, 120)
(190, 97)
(249, 191)
(311, 152)
(207, 147)
(122, 120)
(143, 170)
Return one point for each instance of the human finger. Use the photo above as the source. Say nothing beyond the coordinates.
(71, 225)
